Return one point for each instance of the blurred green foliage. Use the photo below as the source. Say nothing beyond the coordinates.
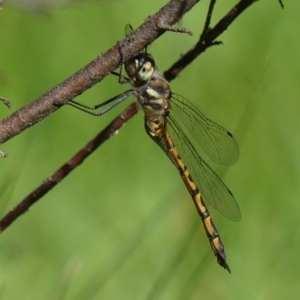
(123, 226)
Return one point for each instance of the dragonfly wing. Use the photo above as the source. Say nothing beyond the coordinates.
(209, 183)
(215, 140)
(128, 29)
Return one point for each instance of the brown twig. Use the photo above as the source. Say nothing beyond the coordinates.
(68, 167)
(207, 38)
(8, 104)
(206, 27)
(94, 71)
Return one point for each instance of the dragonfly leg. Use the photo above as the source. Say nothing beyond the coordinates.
(115, 101)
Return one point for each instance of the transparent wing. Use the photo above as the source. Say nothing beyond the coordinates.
(216, 141)
(128, 29)
(209, 183)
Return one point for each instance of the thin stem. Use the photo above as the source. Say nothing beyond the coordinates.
(206, 27)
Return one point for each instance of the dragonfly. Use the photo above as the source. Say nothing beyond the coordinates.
(167, 118)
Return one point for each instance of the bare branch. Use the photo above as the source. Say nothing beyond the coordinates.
(207, 21)
(8, 104)
(94, 71)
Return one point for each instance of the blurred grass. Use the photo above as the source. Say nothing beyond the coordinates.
(123, 226)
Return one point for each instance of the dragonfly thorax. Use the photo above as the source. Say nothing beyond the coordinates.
(154, 97)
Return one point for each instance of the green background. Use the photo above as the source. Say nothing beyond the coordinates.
(123, 226)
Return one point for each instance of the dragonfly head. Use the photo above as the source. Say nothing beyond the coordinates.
(140, 68)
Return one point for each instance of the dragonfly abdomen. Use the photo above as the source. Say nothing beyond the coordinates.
(209, 226)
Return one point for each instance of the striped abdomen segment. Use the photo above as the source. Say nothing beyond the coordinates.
(209, 226)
